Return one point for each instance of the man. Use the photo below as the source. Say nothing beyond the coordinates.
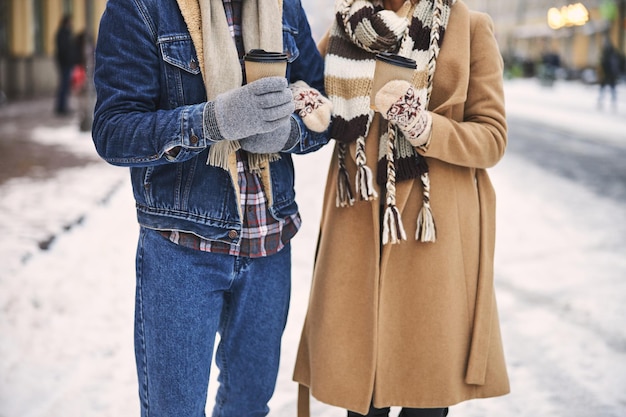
(212, 176)
(609, 72)
(65, 59)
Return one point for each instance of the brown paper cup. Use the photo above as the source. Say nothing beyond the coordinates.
(390, 67)
(260, 64)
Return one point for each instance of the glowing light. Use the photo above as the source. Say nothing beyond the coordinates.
(571, 15)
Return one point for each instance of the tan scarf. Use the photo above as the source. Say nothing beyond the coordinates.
(362, 28)
(262, 28)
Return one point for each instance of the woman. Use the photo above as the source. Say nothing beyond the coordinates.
(402, 309)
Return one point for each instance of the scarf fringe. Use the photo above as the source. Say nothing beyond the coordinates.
(364, 176)
(219, 156)
(426, 231)
(344, 193)
(393, 229)
(257, 161)
(365, 184)
(344, 196)
(219, 153)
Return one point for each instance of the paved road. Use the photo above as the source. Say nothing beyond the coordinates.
(583, 158)
(21, 156)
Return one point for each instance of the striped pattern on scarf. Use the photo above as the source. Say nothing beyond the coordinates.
(360, 31)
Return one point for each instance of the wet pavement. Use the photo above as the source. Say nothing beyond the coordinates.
(20, 155)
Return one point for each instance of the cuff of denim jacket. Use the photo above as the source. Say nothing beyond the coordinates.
(209, 121)
(191, 138)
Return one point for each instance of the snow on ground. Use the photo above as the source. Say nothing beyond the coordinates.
(571, 106)
(66, 313)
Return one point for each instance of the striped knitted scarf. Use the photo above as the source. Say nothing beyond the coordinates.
(360, 31)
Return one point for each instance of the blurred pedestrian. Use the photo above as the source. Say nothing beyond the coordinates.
(82, 80)
(212, 175)
(609, 72)
(79, 71)
(65, 54)
(402, 311)
(550, 64)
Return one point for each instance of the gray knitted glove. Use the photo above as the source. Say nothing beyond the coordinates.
(283, 138)
(259, 107)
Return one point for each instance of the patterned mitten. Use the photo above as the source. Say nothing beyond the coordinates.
(403, 105)
(313, 108)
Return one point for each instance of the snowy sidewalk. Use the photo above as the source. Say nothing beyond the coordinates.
(66, 313)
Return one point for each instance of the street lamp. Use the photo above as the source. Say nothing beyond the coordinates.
(567, 16)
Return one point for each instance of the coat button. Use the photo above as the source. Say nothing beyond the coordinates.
(233, 234)
(193, 64)
(194, 139)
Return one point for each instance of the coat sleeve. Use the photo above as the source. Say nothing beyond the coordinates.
(476, 137)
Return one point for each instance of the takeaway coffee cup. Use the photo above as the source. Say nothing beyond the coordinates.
(390, 67)
(260, 64)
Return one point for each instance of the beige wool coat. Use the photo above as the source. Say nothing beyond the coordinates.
(416, 324)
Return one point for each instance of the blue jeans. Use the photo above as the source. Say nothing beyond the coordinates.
(184, 297)
(63, 90)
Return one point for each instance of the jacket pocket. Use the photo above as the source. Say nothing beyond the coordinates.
(181, 71)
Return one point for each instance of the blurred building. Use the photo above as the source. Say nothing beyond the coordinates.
(527, 30)
(28, 27)
(27, 32)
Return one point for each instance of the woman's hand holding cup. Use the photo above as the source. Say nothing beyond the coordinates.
(404, 106)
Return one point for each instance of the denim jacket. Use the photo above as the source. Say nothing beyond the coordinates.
(150, 98)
